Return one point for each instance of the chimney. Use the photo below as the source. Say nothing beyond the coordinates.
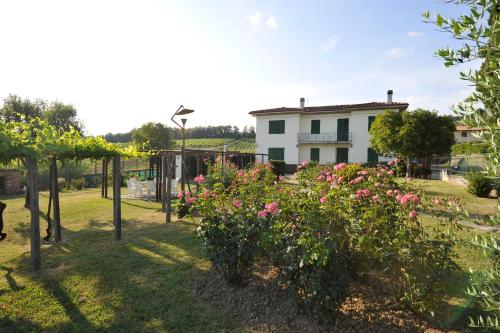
(302, 102)
(389, 96)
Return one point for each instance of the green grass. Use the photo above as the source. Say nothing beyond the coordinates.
(91, 283)
(475, 205)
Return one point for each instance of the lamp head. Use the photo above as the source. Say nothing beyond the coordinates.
(184, 111)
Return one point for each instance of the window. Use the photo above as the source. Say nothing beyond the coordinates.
(371, 119)
(343, 129)
(277, 154)
(315, 126)
(315, 154)
(372, 157)
(276, 127)
(342, 155)
(464, 134)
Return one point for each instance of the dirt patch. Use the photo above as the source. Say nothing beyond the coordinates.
(264, 306)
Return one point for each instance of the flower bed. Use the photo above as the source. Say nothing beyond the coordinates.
(342, 222)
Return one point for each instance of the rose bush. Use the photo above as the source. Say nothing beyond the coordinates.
(342, 222)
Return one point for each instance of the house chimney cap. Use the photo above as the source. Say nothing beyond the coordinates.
(302, 102)
(389, 92)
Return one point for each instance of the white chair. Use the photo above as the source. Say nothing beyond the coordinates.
(173, 191)
(150, 188)
(130, 187)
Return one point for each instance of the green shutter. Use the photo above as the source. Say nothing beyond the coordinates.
(277, 154)
(343, 129)
(276, 126)
(372, 156)
(315, 154)
(371, 119)
(315, 126)
(342, 155)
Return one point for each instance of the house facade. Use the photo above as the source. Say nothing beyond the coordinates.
(332, 133)
(10, 181)
(466, 134)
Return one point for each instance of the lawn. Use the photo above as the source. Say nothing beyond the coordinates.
(91, 283)
(146, 282)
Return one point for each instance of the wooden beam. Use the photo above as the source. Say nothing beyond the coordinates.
(168, 193)
(198, 171)
(36, 256)
(163, 182)
(117, 210)
(55, 198)
(102, 177)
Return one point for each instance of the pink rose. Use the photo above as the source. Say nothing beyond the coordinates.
(339, 166)
(191, 200)
(199, 179)
(237, 203)
(272, 208)
(376, 198)
(180, 195)
(323, 199)
(263, 213)
(389, 193)
(412, 214)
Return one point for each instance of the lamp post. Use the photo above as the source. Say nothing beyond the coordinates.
(180, 112)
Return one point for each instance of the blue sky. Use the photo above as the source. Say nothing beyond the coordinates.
(123, 63)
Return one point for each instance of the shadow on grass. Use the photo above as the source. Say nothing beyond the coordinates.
(146, 282)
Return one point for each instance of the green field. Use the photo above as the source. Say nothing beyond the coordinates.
(146, 282)
(242, 145)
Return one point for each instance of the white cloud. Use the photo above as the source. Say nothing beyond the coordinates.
(255, 18)
(329, 45)
(271, 22)
(414, 34)
(395, 52)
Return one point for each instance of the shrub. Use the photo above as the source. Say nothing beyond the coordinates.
(231, 227)
(344, 221)
(279, 167)
(77, 183)
(478, 184)
(421, 172)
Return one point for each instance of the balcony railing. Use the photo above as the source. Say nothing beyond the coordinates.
(331, 137)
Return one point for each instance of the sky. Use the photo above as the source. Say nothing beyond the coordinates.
(123, 63)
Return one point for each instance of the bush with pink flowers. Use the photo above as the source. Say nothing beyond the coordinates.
(341, 223)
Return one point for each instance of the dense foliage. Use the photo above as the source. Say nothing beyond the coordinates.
(469, 148)
(478, 28)
(479, 184)
(152, 136)
(412, 134)
(342, 222)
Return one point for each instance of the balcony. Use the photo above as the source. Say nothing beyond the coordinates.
(331, 137)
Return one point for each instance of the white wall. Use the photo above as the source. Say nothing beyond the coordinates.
(470, 137)
(295, 123)
(264, 140)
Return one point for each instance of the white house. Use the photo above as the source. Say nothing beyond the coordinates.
(466, 134)
(332, 133)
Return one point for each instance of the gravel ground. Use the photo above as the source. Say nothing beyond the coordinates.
(263, 306)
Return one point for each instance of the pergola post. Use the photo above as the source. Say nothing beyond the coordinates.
(55, 198)
(117, 212)
(106, 178)
(168, 192)
(198, 171)
(36, 257)
(163, 182)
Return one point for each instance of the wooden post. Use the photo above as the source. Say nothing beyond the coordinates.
(168, 193)
(117, 211)
(102, 177)
(55, 198)
(163, 182)
(198, 171)
(36, 256)
(106, 173)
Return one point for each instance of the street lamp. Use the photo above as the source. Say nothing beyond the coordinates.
(180, 112)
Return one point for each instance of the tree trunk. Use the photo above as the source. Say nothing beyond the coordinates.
(168, 194)
(36, 257)
(408, 167)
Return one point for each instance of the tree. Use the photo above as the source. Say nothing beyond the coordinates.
(416, 134)
(479, 30)
(18, 109)
(63, 116)
(152, 136)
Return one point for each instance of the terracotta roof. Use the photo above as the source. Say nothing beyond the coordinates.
(334, 108)
(464, 128)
